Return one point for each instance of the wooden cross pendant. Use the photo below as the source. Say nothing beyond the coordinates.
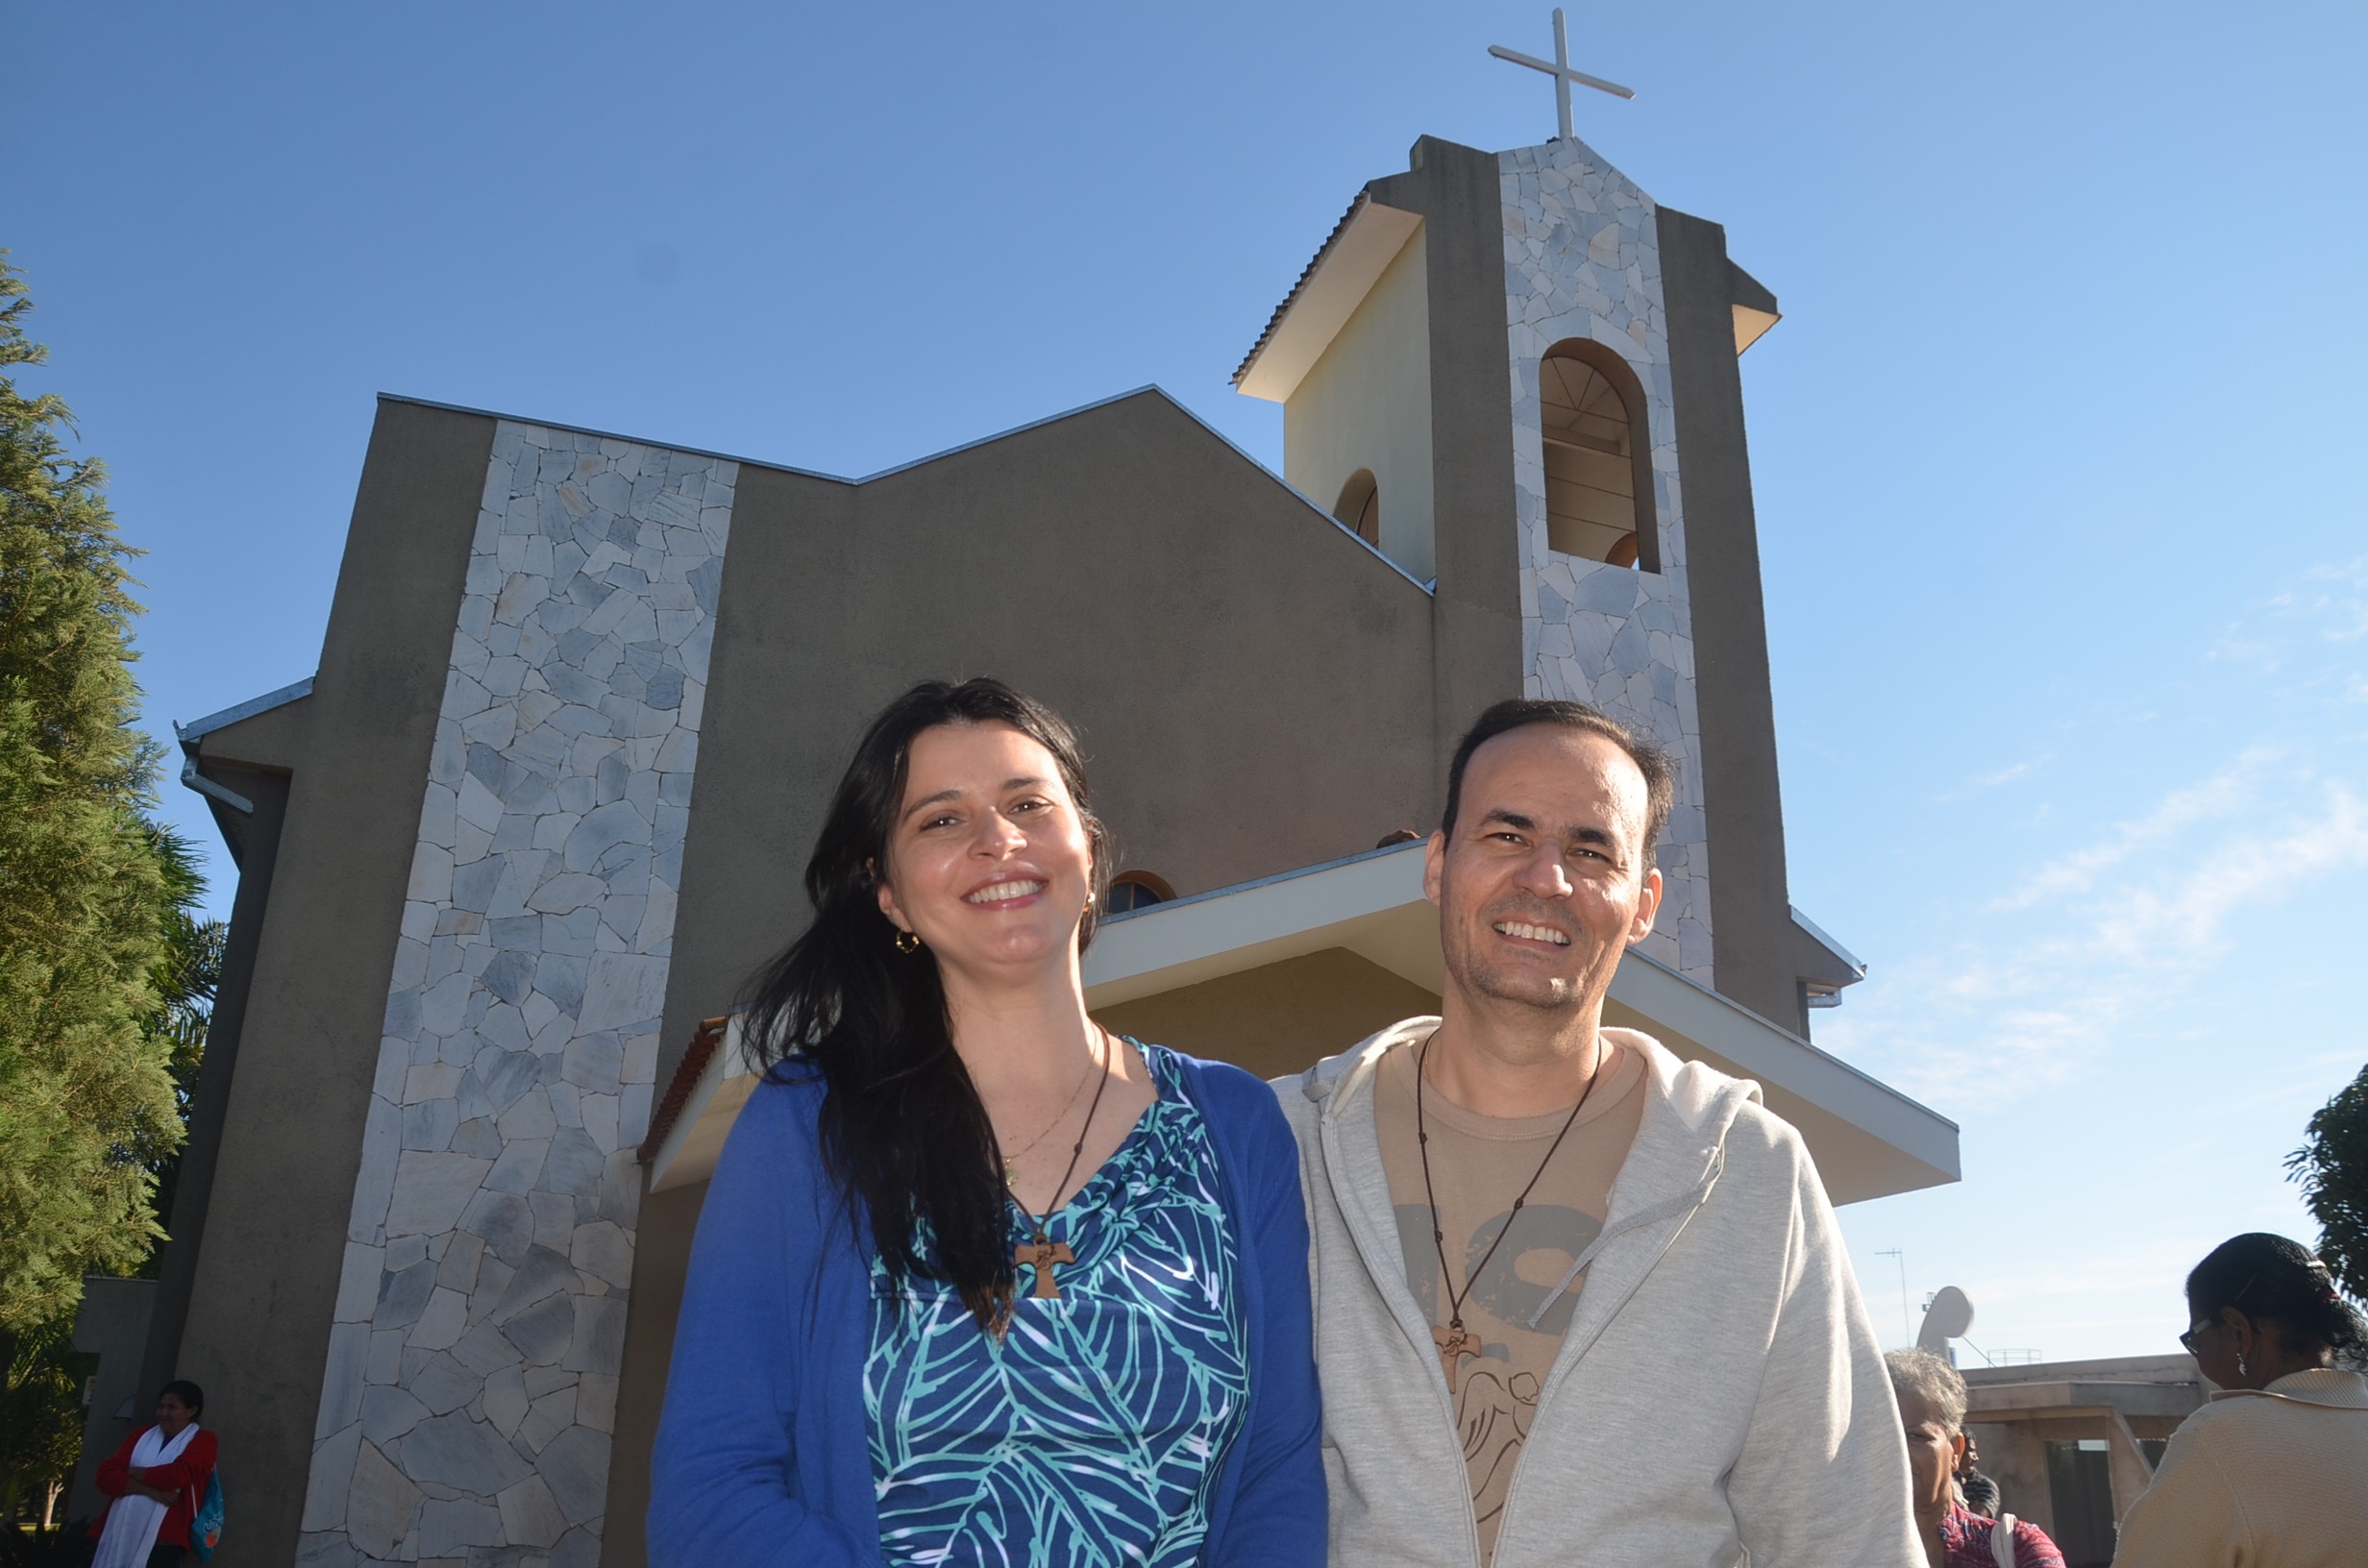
(1454, 1344)
(1041, 1256)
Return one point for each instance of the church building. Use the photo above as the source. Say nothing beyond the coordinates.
(507, 858)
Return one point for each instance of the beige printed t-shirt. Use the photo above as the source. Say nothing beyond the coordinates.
(1479, 1165)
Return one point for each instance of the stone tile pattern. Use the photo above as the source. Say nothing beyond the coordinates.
(472, 1378)
(1583, 261)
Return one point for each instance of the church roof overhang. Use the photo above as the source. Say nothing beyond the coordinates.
(1753, 305)
(1351, 259)
(228, 807)
(1868, 1140)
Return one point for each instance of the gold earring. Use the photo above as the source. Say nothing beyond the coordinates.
(1089, 897)
(907, 943)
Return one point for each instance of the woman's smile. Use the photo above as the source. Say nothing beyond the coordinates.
(1007, 893)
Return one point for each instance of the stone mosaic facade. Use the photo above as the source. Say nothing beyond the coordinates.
(1583, 261)
(472, 1378)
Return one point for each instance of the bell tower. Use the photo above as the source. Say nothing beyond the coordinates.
(1514, 375)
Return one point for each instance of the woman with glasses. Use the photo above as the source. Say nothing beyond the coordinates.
(977, 1281)
(2273, 1473)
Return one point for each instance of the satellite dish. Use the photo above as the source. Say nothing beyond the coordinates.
(1947, 1318)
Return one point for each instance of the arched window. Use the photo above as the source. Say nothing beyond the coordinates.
(1136, 890)
(1359, 507)
(1598, 457)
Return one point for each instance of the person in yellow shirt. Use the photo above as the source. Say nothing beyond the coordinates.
(2273, 1473)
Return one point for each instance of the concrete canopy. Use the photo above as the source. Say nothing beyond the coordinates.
(1868, 1140)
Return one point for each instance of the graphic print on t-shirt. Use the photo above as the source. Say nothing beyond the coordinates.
(1478, 1164)
(1516, 1282)
(1494, 1398)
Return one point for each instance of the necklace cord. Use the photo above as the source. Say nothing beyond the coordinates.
(1058, 1117)
(1422, 1139)
(1077, 1152)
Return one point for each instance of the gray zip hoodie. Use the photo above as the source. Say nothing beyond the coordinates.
(1719, 1400)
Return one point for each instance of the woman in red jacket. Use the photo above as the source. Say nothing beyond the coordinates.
(156, 1478)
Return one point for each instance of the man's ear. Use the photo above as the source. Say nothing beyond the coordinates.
(1434, 863)
(1649, 905)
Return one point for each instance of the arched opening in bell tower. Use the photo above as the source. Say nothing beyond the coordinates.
(1598, 457)
(1359, 508)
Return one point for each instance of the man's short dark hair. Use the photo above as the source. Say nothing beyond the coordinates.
(1520, 712)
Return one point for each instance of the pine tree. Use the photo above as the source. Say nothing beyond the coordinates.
(87, 1094)
(2332, 1167)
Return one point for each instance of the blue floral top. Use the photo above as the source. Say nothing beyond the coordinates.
(1093, 1432)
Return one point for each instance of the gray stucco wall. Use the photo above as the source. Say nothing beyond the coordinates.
(1476, 608)
(258, 1323)
(1253, 686)
(1760, 954)
(259, 845)
(112, 1323)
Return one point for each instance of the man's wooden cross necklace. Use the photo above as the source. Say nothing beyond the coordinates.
(1454, 1340)
(1040, 1252)
(1455, 1343)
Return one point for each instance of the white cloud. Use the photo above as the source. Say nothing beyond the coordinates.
(2327, 605)
(2008, 775)
(2107, 938)
(2223, 796)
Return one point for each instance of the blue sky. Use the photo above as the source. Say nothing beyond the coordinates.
(2067, 572)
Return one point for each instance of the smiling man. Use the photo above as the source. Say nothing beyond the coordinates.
(1576, 1301)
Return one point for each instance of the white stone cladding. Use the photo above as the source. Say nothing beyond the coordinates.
(472, 1375)
(1583, 261)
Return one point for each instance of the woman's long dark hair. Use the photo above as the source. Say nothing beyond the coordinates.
(2277, 1281)
(902, 1126)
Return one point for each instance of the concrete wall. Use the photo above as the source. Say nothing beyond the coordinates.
(258, 848)
(1253, 687)
(1477, 600)
(256, 1331)
(1366, 404)
(1762, 956)
(112, 1323)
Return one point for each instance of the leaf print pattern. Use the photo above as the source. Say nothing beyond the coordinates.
(1093, 1432)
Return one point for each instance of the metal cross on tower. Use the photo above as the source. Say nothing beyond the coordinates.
(1559, 68)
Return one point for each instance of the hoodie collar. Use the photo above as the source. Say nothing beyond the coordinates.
(1688, 1109)
(2320, 1385)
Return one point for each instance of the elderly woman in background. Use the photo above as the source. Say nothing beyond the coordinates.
(1932, 1407)
(2273, 1473)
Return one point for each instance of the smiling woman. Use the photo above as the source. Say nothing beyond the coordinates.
(945, 1148)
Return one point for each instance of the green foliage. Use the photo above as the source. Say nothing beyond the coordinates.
(2332, 1167)
(40, 1418)
(87, 1091)
(184, 979)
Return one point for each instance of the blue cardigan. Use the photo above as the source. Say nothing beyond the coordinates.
(764, 1451)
